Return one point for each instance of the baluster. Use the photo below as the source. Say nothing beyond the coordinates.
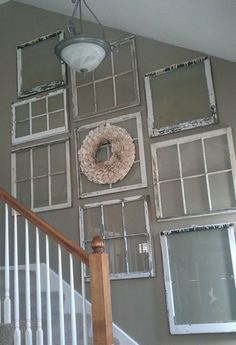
(28, 331)
(61, 306)
(39, 332)
(84, 309)
(17, 332)
(49, 308)
(7, 301)
(72, 300)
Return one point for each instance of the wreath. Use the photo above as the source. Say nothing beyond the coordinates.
(121, 159)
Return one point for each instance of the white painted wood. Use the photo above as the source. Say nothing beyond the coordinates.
(206, 174)
(48, 294)
(17, 332)
(28, 331)
(72, 298)
(61, 300)
(7, 300)
(181, 179)
(84, 304)
(39, 332)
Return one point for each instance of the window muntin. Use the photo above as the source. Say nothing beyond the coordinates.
(201, 165)
(199, 270)
(127, 238)
(39, 117)
(39, 179)
(116, 79)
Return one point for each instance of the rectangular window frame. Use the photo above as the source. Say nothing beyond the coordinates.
(216, 327)
(48, 132)
(202, 121)
(113, 76)
(49, 175)
(147, 233)
(201, 136)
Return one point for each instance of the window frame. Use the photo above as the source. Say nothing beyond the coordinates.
(211, 327)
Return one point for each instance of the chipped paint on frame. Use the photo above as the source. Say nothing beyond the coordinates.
(204, 121)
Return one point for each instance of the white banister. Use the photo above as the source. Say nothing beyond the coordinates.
(7, 301)
(28, 331)
(39, 332)
(72, 301)
(61, 300)
(85, 332)
(48, 292)
(17, 332)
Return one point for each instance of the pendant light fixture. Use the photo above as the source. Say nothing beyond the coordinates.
(80, 52)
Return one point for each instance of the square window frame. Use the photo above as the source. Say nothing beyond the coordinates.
(203, 120)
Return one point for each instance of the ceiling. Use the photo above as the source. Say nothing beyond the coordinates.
(208, 26)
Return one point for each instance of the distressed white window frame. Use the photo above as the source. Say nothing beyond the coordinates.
(147, 233)
(116, 107)
(49, 175)
(141, 160)
(216, 327)
(176, 142)
(40, 88)
(205, 120)
(46, 133)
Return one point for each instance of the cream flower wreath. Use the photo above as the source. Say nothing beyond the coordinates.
(122, 154)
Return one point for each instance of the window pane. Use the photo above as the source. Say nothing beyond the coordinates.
(192, 158)
(196, 195)
(39, 124)
(125, 89)
(86, 100)
(217, 153)
(168, 166)
(56, 102)
(39, 107)
(23, 192)
(56, 120)
(22, 112)
(116, 250)
(104, 94)
(122, 58)
(41, 192)
(83, 78)
(222, 191)
(138, 256)
(59, 189)
(133, 177)
(23, 165)
(40, 161)
(22, 129)
(58, 157)
(104, 69)
(171, 198)
(135, 217)
(92, 222)
(113, 220)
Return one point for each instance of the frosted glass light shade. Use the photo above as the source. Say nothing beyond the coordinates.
(81, 53)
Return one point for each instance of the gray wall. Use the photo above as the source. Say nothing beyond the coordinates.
(138, 305)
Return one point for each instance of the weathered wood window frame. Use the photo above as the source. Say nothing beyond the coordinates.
(206, 174)
(203, 120)
(113, 77)
(49, 175)
(47, 114)
(21, 91)
(143, 248)
(141, 156)
(176, 327)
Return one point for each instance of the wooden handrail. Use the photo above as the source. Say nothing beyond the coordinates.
(48, 229)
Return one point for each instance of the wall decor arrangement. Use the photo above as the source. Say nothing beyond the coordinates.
(39, 179)
(194, 175)
(112, 86)
(180, 97)
(38, 68)
(127, 238)
(131, 173)
(200, 271)
(39, 117)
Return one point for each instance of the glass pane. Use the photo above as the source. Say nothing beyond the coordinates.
(22, 165)
(59, 189)
(116, 251)
(179, 96)
(196, 195)
(56, 102)
(23, 192)
(58, 157)
(201, 272)
(125, 89)
(135, 217)
(86, 100)
(113, 222)
(104, 70)
(222, 191)
(92, 222)
(122, 58)
(131, 127)
(83, 78)
(39, 107)
(40, 161)
(56, 120)
(217, 153)
(39, 124)
(88, 186)
(138, 254)
(171, 199)
(133, 177)
(192, 158)
(41, 192)
(104, 94)
(103, 153)
(168, 165)
(22, 112)
(22, 129)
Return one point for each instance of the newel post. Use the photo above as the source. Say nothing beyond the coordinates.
(100, 294)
